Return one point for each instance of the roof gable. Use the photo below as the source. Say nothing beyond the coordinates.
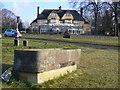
(67, 15)
(61, 13)
(53, 14)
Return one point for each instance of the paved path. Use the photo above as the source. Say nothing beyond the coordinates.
(82, 44)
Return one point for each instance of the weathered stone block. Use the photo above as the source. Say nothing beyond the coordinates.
(38, 63)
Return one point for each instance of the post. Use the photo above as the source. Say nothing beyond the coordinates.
(39, 29)
(16, 41)
(25, 43)
(115, 30)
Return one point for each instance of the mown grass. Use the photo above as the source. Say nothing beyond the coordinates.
(102, 41)
(98, 68)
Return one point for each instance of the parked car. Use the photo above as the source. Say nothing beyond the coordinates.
(11, 33)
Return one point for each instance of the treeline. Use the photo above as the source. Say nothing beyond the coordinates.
(9, 21)
(104, 16)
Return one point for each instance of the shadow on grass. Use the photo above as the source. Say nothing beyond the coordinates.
(14, 81)
(6, 66)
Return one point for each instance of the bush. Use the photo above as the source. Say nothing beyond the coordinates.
(112, 34)
(66, 35)
(28, 30)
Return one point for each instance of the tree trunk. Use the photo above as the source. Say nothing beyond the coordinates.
(96, 17)
(116, 20)
(116, 26)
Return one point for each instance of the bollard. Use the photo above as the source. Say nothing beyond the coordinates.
(25, 43)
(16, 42)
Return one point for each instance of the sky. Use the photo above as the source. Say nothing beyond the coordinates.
(27, 10)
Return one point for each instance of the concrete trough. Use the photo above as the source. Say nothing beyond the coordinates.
(40, 65)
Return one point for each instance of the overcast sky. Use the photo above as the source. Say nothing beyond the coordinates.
(28, 10)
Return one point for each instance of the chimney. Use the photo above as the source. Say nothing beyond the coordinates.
(60, 8)
(37, 11)
(81, 11)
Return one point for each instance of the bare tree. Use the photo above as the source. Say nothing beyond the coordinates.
(26, 24)
(107, 22)
(1, 6)
(8, 18)
(115, 7)
(93, 7)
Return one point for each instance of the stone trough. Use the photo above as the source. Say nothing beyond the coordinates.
(40, 65)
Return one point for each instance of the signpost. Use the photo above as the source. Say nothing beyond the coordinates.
(16, 41)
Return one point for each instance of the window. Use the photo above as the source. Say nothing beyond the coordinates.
(68, 15)
(73, 31)
(68, 21)
(76, 22)
(53, 21)
(70, 31)
(43, 21)
(53, 14)
(61, 21)
(9, 30)
(13, 31)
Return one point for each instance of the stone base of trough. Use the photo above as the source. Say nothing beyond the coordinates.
(45, 76)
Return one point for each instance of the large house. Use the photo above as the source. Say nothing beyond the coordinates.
(59, 21)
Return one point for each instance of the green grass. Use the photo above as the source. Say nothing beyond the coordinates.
(98, 68)
(109, 42)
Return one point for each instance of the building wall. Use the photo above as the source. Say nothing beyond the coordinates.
(78, 29)
(81, 22)
(87, 28)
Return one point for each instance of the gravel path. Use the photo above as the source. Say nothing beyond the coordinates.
(82, 44)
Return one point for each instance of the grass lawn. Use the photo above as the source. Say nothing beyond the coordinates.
(91, 40)
(98, 68)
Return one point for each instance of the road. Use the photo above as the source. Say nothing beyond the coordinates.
(81, 44)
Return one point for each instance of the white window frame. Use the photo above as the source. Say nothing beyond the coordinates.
(68, 21)
(53, 14)
(53, 21)
(76, 22)
(68, 15)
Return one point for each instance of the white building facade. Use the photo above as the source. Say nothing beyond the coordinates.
(59, 21)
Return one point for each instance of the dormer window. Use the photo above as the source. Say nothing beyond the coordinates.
(53, 14)
(68, 15)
